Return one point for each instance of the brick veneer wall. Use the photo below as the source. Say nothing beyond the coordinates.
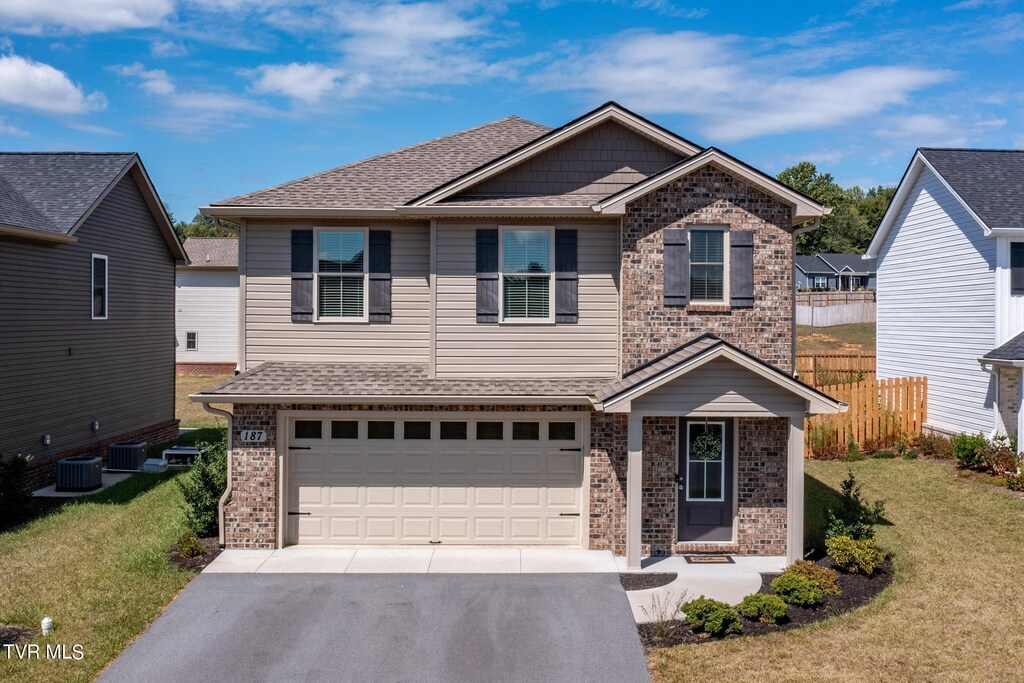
(204, 368)
(707, 196)
(1009, 399)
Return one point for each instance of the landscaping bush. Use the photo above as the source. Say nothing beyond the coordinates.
(798, 590)
(884, 454)
(857, 556)
(15, 498)
(854, 517)
(1000, 455)
(202, 487)
(189, 545)
(768, 609)
(824, 578)
(1015, 482)
(853, 453)
(714, 617)
(824, 442)
(936, 445)
(968, 449)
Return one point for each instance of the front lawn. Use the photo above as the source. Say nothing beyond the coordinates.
(953, 612)
(99, 567)
(192, 414)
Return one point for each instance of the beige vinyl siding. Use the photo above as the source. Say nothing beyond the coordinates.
(272, 336)
(586, 349)
(61, 369)
(720, 387)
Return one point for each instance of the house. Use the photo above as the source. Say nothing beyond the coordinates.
(206, 307)
(87, 257)
(835, 271)
(518, 335)
(950, 293)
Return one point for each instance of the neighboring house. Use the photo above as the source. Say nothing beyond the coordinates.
(206, 303)
(87, 257)
(951, 285)
(492, 338)
(835, 271)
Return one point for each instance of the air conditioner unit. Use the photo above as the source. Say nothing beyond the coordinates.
(81, 473)
(126, 456)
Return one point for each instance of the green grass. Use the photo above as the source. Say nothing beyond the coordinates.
(192, 414)
(838, 339)
(952, 613)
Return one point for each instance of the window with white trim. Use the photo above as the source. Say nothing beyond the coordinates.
(341, 273)
(191, 341)
(526, 276)
(707, 265)
(100, 290)
(705, 468)
(820, 282)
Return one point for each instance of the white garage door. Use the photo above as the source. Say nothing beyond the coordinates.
(454, 479)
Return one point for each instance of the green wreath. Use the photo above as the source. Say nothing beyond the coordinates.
(707, 446)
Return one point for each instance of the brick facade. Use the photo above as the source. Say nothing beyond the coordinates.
(1009, 399)
(205, 368)
(708, 196)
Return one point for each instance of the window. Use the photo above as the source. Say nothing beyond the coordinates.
(490, 431)
(525, 431)
(341, 274)
(344, 429)
(380, 429)
(191, 341)
(707, 265)
(820, 282)
(453, 430)
(855, 282)
(526, 274)
(562, 431)
(705, 467)
(308, 429)
(416, 430)
(99, 287)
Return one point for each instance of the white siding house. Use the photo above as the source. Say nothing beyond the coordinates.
(206, 305)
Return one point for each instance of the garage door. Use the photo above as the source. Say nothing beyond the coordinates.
(452, 479)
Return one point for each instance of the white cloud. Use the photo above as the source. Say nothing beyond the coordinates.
(82, 16)
(731, 93)
(167, 48)
(923, 130)
(12, 131)
(306, 82)
(155, 81)
(34, 85)
(866, 6)
(975, 4)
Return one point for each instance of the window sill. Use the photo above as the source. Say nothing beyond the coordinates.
(526, 321)
(708, 308)
(341, 321)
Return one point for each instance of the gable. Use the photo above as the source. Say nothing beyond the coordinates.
(599, 161)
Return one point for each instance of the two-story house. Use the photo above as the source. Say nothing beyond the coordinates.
(950, 252)
(517, 335)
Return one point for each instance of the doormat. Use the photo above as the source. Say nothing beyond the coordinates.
(708, 559)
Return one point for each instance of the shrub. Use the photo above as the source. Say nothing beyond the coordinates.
(824, 442)
(189, 545)
(853, 453)
(885, 454)
(15, 498)
(968, 449)
(1000, 455)
(935, 445)
(1015, 482)
(858, 556)
(202, 487)
(798, 590)
(714, 617)
(824, 578)
(854, 517)
(768, 609)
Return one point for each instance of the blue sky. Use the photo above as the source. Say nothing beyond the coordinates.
(227, 96)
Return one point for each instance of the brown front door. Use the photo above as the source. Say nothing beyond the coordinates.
(705, 480)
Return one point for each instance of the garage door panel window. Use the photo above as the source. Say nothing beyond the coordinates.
(344, 429)
(490, 431)
(379, 429)
(418, 430)
(309, 429)
(525, 431)
(454, 430)
(562, 431)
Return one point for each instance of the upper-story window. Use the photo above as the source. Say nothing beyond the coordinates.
(99, 287)
(341, 274)
(526, 273)
(707, 265)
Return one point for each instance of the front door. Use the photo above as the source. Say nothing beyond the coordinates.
(705, 480)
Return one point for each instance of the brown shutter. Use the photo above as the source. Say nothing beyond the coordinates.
(1016, 267)
(741, 269)
(676, 267)
(380, 276)
(487, 276)
(302, 276)
(566, 278)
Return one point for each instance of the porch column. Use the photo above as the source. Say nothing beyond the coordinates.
(634, 490)
(795, 491)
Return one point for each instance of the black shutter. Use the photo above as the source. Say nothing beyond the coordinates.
(1016, 267)
(487, 276)
(302, 276)
(676, 267)
(567, 309)
(741, 269)
(380, 276)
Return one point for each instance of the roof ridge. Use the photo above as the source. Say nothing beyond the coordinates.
(382, 155)
(969, 149)
(66, 153)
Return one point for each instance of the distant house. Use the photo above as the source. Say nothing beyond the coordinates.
(206, 303)
(835, 271)
(951, 286)
(87, 257)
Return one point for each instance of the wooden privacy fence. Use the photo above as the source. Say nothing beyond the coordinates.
(880, 410)
(826, 369)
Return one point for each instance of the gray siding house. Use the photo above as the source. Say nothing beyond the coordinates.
(835, 271)
(87, 258)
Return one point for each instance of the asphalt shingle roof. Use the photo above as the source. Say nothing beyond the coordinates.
(812, 264)
(212, 252)
(50, 192)
(1011, 350)
(659, 365)
(990, 181)
(856, 262)
(397, 177)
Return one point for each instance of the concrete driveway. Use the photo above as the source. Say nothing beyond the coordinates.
(388, 627)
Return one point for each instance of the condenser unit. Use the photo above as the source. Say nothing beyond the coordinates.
(126, 456)
(81, 473)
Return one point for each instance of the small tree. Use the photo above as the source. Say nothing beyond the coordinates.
(854, 517)
(202, 488)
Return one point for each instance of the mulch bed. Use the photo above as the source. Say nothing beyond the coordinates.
(199, 562)
(855, 591)
(642, 582)
(16, 634)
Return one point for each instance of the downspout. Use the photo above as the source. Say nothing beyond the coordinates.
(227, 489)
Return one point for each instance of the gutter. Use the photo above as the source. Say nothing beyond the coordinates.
(227, 489)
